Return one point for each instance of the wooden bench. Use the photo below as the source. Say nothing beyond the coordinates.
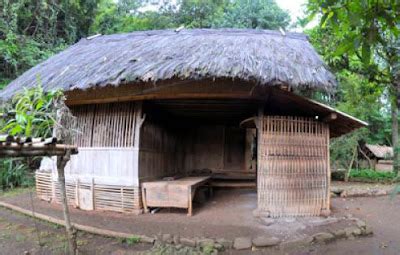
(176, 193)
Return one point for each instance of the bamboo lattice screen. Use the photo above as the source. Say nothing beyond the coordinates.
(293, 177)
(105, 125)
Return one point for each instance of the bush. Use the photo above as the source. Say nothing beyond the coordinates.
(371, 175)
(15, 173)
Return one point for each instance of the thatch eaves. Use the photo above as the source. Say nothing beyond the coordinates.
(261, 56)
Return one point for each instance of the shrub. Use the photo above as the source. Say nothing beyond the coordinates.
(371, 175)
(15, 173)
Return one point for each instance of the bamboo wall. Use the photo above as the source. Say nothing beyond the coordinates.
(293, 173)
(105, 125)
(104, 174)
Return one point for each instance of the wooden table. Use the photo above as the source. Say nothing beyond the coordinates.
(176, 193)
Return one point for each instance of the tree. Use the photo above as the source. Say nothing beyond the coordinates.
(31, 31)
(265, 14)
(368, 30)
(32, 114)
(199, 13)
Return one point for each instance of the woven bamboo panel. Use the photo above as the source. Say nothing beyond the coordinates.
(105, 125)
(43, 185)
(293, 166)
(116, 198)
(71, 192)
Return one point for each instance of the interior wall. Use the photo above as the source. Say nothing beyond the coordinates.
(217, 148)
(157, 152)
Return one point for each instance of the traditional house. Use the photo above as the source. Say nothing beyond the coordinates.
(165, 103)
(377, 157)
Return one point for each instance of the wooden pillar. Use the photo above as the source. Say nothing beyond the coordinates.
(259, 125)
(139, 119)
(326, 211)
(61, 162)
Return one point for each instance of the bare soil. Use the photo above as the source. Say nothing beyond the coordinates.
(20, 234)
(220, 217)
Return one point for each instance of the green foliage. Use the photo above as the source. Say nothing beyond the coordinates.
(14, 173)
(31, 31)
(33, 113)
(360, 26)
(371, 175)
(365, 89)
(130, 240)
(264, 14)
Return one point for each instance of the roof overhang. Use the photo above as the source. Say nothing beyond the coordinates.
(281, 102)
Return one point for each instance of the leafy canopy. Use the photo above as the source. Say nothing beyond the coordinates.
(33, 113)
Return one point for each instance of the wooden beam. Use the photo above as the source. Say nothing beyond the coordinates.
(26, 150)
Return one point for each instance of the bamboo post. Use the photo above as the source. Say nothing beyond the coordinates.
(71, 234)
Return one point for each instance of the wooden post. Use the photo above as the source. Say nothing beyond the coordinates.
(61, 162)
(327, 210)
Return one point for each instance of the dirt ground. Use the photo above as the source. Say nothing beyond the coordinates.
(18, 234)
(228, 214)
(382, 213)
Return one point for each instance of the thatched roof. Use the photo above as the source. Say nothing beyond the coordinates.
(265, 57)
(380, 151)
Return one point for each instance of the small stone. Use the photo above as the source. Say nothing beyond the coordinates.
(347, 208)
(205, 242)
(177, 239)
(295, 243)
(27, 253)
(351, 237)
(219, 247)
(357, 232)
(349, 216)
(343, 193)
(167, 238)
(267, 221)
(349, 231)
(323, 237)
(367, 231)
(147, 239)
(188, 242)
(325, 213)
(264, 241)
(242, 243)
(361, 223)
(226, 243)
(339, 233)
(381, 193)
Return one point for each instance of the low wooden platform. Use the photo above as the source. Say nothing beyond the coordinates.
(174, 193)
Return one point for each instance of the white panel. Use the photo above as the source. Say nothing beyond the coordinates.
(105, 165)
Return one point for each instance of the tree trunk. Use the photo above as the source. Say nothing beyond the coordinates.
(395, 127)
(395, 137)
(353, 157)
(71, 234)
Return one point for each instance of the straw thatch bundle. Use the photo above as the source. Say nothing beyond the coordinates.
(265, 57)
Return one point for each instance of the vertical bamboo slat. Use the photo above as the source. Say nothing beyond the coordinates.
(105, 125)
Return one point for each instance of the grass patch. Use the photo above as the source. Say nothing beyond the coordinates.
(16, 191)
(130, 240)
(372, 175)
